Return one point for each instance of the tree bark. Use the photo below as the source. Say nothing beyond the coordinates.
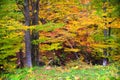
(35, 49)
(35, 34)
(27, 34)
(30, 10)
(35, 12)
(106, 33)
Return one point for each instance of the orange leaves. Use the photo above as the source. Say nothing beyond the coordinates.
(74, 9)
(83, 28)
(58, 10)
(84, 1)
(115, 24)
(49, 34)
(72, 28)
(81, 33)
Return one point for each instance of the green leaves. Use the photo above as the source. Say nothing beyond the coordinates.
(50, 47)
(11, 33)
(20, 2)
(49, 26)
(42, 39)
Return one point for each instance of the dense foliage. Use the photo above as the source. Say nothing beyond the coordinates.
(87, 30)
(11, 33)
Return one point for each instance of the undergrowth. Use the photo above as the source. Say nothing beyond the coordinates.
(74, 72)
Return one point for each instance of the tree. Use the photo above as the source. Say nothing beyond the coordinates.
(30, 9)
(108, 10)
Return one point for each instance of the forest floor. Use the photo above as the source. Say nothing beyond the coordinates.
(68, 72)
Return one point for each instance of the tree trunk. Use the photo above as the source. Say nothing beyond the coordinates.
(35, 49)
(106, 33)
(109, 31)
(35, 34)
(28, 49)
(30, 7)
(35, 12)
(27, 34)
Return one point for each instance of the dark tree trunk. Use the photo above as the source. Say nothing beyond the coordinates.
(27, 34)
(35, 34)
(35, 48)
(35, 12)
(106, 34)
(109, 31)
(30, 7)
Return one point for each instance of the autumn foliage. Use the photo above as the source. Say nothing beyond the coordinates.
(68, 30)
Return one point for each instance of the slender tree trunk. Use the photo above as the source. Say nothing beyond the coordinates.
(109, 31)
(35, 12)
(28, 49)
(35, 48)
(106, 34)
(35, 34)
(27, 34)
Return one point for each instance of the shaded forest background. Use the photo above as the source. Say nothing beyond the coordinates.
(65, 30)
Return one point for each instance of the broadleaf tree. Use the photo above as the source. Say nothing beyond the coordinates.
(30, 9)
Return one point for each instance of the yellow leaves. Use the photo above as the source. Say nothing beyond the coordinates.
(99, 45)
(54, 46)
(74, 9)
(72, 28)
(115, 24)
(13, 35)
(89, 19)
(83, 43)
(116, 57)
(74, 22)
(102, 26)
(90, 39)
(43, 39)
(13, 25)
(11, 28)
(30, 70)
(75, 67)
(81, 32)
(67, 34)
(35, 11)
(50, 17)
(58, 39)
(102, 45)
(71, 50)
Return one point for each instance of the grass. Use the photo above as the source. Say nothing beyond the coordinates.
(81, 72)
